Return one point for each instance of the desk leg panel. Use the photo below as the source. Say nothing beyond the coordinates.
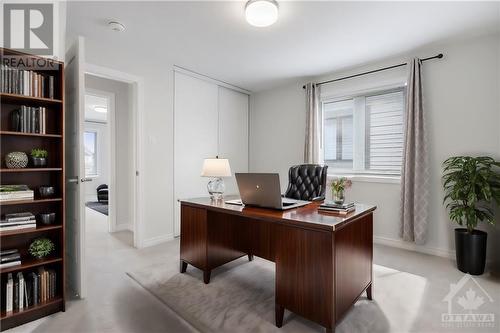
(304, 273)
(194, 237)
(353, 260)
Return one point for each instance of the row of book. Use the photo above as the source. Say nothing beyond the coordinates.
(22, 291)
(25, 82)
(29, 119)
(333, 207)
(10, 258)
(16, 192)
(16, 221)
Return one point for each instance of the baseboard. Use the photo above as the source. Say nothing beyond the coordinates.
(398, 243)
(125, 226)
(157, 240)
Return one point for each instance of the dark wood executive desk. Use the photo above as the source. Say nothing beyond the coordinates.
(323, 261)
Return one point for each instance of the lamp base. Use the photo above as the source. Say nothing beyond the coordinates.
(216, 188)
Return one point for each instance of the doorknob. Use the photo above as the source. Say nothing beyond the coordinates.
(83, 180)
(73, 180)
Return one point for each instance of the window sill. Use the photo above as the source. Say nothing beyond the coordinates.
(385, 179)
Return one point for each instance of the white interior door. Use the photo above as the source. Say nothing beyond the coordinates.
(75, 168)
(233, 133)
(195, 137)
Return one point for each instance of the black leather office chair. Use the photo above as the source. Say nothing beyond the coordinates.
(307, 182)
(102, 193)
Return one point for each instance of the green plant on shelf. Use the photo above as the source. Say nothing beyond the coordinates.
(41, 247)
(39, 153)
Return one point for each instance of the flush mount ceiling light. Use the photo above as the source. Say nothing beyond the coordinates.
(261, 13)
(116, 26)
(100, 109)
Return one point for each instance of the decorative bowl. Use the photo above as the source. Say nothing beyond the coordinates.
(46, 191)
(47, 218)
(16, 160)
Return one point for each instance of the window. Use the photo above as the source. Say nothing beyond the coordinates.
(364, 134)
(90, 144)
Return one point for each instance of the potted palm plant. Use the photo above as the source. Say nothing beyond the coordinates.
(471, 186)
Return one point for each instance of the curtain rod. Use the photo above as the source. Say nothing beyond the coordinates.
(439, 56)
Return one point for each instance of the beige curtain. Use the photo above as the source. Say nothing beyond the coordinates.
(312, 149)
(414, 173)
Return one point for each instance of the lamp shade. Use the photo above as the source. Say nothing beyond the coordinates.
(216, 167)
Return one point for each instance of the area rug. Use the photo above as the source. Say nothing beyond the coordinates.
(98, 207)
(240, 298)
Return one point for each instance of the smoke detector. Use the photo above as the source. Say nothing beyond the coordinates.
(116, 26)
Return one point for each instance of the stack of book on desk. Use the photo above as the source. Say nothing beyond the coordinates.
(10, 258)
(341, 209)
(17, 221)
(15, 192)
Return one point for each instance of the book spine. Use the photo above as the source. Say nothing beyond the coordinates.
(35, 289)
(9, 294)
(51, 86)
(21, 291)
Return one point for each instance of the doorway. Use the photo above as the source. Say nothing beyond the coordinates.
(99, 158)
(108, 189)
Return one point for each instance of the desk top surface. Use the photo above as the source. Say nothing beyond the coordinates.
(307, 216)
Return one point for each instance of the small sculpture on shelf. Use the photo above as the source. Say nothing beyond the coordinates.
(16, 160)
(41, 247)
(39, 157)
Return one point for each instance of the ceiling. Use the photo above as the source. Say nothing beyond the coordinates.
(309, 39)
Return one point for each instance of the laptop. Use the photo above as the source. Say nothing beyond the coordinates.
(263, 190)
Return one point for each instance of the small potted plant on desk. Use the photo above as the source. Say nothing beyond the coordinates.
(39, 157)
(339, 186)
(471, 185)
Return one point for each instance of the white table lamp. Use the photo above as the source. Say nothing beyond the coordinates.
(216, 168)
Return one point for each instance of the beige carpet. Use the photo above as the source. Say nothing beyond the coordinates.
(240, 298)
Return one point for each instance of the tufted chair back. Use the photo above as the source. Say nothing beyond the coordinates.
(307, 182)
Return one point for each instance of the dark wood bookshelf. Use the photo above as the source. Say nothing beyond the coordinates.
(29, 263)
(31, 134)
(38, 229)
(54, 174)
(31, 170)
(28, 202)
(28, 99)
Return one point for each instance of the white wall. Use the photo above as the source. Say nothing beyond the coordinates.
(124, 169)
(461, 100)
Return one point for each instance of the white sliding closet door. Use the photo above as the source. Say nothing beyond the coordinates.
(233, 133)
(195, 136)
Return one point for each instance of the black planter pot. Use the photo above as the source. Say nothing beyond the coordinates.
(470, 250)
(39, 162)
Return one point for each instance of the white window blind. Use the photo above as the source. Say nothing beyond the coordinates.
(364, 134)
(384, 148)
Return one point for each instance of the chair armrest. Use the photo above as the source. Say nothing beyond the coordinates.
(320, 198)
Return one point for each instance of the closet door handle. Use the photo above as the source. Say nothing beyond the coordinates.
(83, 180)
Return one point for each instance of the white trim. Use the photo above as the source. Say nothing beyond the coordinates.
(122, 227)
(366, 178)
(400, 244)
(157, 240)
(207, 78)
(138, 114)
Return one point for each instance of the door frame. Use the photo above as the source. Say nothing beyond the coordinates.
(137, 84)
(111, 151)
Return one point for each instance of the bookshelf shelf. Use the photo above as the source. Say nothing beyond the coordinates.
(30, 309)
(38, 229)
(15, 98)
(52, 112)
(58, 136)
(29, 202)
(29, 263)
(31, 170)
